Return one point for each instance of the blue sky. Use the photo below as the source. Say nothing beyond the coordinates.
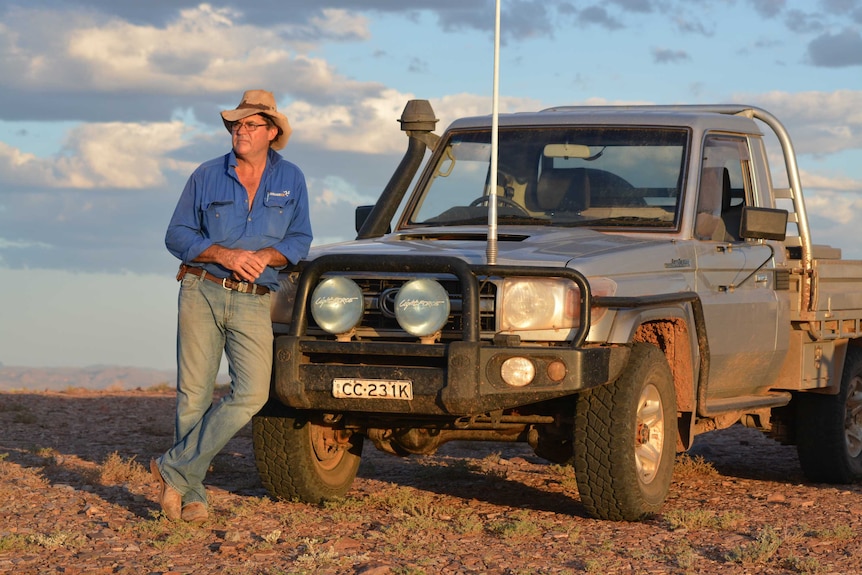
(106, 106)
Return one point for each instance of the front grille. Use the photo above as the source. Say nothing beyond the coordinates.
(379, 321)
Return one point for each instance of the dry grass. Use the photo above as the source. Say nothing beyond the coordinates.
(761, 550)
(117, 471)
(687, 468)
(692, 519)
(463, 510)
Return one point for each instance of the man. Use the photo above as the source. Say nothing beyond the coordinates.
(240, 218)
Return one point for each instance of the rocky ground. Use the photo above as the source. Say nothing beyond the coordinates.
(75, 499)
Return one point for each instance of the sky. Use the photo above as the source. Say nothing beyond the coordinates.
(106, 107)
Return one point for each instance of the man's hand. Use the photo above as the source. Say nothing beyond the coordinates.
(245, 265)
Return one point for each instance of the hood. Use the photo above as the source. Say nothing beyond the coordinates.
(516, 245)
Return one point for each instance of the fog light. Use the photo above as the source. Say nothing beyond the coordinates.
(422, 307)
(337, 305)
(517, 371)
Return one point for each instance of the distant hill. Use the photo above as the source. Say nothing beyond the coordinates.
(93, 377)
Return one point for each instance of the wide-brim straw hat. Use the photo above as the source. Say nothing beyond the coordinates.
(260, 102)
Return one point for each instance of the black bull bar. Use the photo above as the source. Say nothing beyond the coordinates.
(455, 378)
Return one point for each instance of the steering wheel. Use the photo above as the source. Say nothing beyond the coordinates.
(501, 201)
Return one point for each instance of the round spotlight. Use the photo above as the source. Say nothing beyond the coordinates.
(337, 305)
(422, 307)
(518, 371)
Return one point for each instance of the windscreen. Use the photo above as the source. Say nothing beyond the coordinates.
(574, 176)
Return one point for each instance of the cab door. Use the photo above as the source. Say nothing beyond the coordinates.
(735, 278)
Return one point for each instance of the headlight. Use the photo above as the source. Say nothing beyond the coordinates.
(422, 307)
(337, 305)
(529, 304)
(539, 303)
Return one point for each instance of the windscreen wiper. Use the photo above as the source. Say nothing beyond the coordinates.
(616, 221)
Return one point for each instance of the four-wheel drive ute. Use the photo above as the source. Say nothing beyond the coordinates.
(624, 279)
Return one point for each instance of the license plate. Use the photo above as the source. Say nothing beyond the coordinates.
(349, 388)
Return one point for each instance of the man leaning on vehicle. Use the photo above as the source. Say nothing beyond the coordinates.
(241, 218)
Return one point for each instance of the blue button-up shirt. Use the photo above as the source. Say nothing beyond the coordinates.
(213, 209)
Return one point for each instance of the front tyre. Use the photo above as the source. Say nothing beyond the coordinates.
(625, 439)
(304, 460)
(830, 428)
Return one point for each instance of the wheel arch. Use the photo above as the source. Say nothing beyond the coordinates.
(673, 330)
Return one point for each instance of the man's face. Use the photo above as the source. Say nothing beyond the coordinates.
(252, 135)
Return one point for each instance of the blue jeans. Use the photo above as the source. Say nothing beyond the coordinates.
(213, 319)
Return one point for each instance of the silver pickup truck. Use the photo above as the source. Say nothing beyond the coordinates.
(608, 284)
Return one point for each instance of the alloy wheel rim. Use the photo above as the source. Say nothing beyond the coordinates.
(649, 439)
(325, 446)
(853, 418)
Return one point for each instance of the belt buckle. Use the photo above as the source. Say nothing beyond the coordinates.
(240, 286)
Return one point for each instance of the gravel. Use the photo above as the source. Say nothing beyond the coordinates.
(75, 498)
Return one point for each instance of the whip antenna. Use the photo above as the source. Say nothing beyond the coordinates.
(491, 250)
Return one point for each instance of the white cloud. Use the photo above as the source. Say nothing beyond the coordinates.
(107, 155)
(333, 203)
(366, 125)
(6, 244)
(834, 219)
(333, 190)
(12, 244)
(202, 50)
(834, 206)
(19, 168)
(342, 24)
(816, 181)
(450, 108)
(369, 125)
(821, 124)
(205, 49)
(818, 122)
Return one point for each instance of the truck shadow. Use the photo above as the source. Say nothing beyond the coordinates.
(511, 475)
(480, 473)
(746, 453)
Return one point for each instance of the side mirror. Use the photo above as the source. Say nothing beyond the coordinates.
(763, 224)
(362, 213)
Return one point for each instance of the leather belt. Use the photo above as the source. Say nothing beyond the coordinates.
(226, 283)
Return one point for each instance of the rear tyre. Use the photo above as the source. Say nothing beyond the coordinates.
(829, 433)
(299, 459)
(625, 439)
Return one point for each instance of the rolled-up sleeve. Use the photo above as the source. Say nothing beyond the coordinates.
(185, 238)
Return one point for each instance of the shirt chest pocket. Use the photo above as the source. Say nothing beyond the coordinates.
(277, 214)
(217, 219)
